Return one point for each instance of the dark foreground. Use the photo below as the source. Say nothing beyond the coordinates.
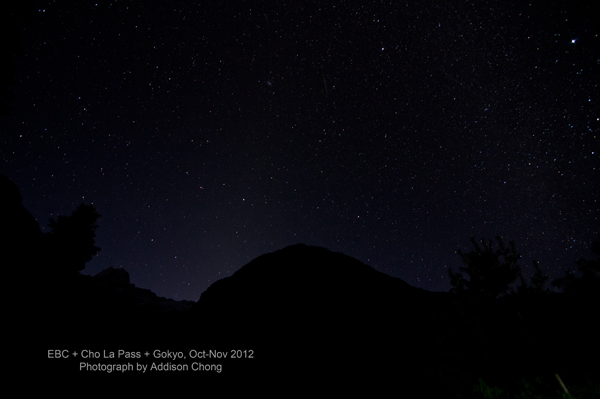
(305, 318)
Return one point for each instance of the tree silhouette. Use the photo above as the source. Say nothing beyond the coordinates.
(538, 282)
(71, 239)
(490, 271)
(588, 283)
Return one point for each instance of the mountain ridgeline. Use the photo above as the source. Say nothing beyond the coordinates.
(301, 315)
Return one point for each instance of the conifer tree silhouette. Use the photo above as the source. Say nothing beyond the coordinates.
(490, 271)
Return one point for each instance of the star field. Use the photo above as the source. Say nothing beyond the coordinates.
(208, 134)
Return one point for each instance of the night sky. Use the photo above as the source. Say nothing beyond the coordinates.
(207, 134)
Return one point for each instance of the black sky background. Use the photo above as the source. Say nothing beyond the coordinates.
(207, 134)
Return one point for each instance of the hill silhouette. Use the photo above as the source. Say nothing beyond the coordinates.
(349, 321)
(315, 314)
(308, 282)
(301, 315)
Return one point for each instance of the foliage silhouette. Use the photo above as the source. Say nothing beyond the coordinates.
(71, 239)
(490, 271)
(588, 281)
(538, 282)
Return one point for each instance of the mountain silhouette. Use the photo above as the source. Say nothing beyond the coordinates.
(302, 316)
(316, 314)
(302, 282)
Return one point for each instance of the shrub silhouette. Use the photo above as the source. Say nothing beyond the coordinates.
(71, 242)
(490, 271)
